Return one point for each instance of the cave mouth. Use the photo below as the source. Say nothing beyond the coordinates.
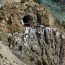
(27, 20)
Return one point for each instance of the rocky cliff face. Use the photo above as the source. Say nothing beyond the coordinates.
(40, 46)
(31, 35)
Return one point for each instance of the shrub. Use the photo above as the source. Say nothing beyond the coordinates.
(1, 56)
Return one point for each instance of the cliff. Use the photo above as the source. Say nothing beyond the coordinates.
(30, 35)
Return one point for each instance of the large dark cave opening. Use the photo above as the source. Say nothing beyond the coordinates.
(27, 20)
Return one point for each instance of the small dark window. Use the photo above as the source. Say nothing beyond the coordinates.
(9, 22)
(1, 18)
(20, 48)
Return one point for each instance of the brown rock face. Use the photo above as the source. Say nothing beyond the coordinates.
(32, 34)
(63, 51)
(14, 15)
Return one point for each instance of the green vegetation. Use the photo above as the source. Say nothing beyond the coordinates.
(63, 24)
(1, 56)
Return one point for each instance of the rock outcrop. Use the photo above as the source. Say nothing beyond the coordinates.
(7, 58)
(40, 46)
(31, 35)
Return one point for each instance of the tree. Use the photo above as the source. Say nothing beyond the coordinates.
(56, 0)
